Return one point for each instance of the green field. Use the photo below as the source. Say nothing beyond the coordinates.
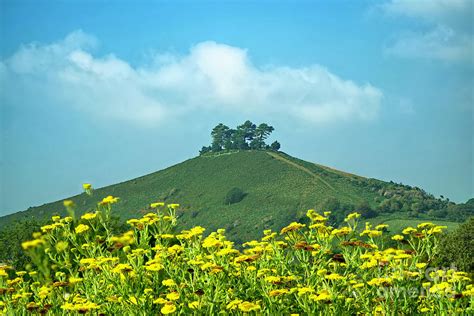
(278, 189)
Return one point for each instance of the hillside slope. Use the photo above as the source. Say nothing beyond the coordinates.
(279, 189)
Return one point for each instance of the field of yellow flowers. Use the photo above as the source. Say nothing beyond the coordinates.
(79, 266)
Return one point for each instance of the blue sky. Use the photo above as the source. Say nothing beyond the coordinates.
(102, 92)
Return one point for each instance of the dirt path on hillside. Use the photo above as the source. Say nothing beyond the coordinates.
(304, 169)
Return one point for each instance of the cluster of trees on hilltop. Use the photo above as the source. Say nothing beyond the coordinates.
(245, 137)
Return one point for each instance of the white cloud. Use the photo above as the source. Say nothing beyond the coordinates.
(449, 33)
(211, 76)
(440, 43)
(434, 10)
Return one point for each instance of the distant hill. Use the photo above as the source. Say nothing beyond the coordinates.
(272, 188)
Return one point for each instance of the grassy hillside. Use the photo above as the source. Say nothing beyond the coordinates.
(278, 189)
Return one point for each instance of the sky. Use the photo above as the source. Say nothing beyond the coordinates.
(105, 91)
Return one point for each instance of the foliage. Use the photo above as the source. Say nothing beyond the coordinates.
(235, 195)
(245, 137)
(306, 269)
(10, 242)
(457, 248)
(275, 146)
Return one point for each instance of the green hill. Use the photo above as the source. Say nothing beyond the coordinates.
(277, 189)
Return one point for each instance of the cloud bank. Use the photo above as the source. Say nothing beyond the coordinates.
(210, 77)
(447, 36)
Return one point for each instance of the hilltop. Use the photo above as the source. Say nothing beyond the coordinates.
(272, 189)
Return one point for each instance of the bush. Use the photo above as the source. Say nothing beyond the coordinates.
(11, 238)
(235, 195)
(457, 248)
(369, 213)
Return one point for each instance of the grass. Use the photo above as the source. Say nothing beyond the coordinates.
(279, 189)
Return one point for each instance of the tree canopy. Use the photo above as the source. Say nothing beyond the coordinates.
(247, 136)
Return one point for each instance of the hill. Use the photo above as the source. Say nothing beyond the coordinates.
(275, 190)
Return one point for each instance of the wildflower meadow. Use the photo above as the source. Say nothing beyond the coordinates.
(80, 267)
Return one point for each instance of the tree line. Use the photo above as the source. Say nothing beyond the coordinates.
(245, 137)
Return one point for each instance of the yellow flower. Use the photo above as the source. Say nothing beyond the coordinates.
(334, 276)
(469, 292)
(341, 231)
(122, 267)
(277, 292)
(397, 237)
(315, 217)
(402, 256)
(175, 249)
(81, 306)
(168, 282)
(371, 233)
(304, 290)
(87, 186)
(352, 216)
(68, 203)
(324, 295)
(147, 291)
(421, 265)
(55, 218)
(378, 309)
(211, 241)
(74, 280)
(442, 287)
(249, 306)
(126, 238)
(173, 206)
(89, 216)
(425, 225)
(61, 246)
(193, 305)
(44, 291)
(381, 226)
(436, 230)
(81, 228)
(157, 204)
(196, 231)
(32, 244)
(109, 200)
(272, 279)
(160, 300)
(409, 230)
(292, 227)
(168, 308)
(380, 281)
(233, 304)
(173, 296)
